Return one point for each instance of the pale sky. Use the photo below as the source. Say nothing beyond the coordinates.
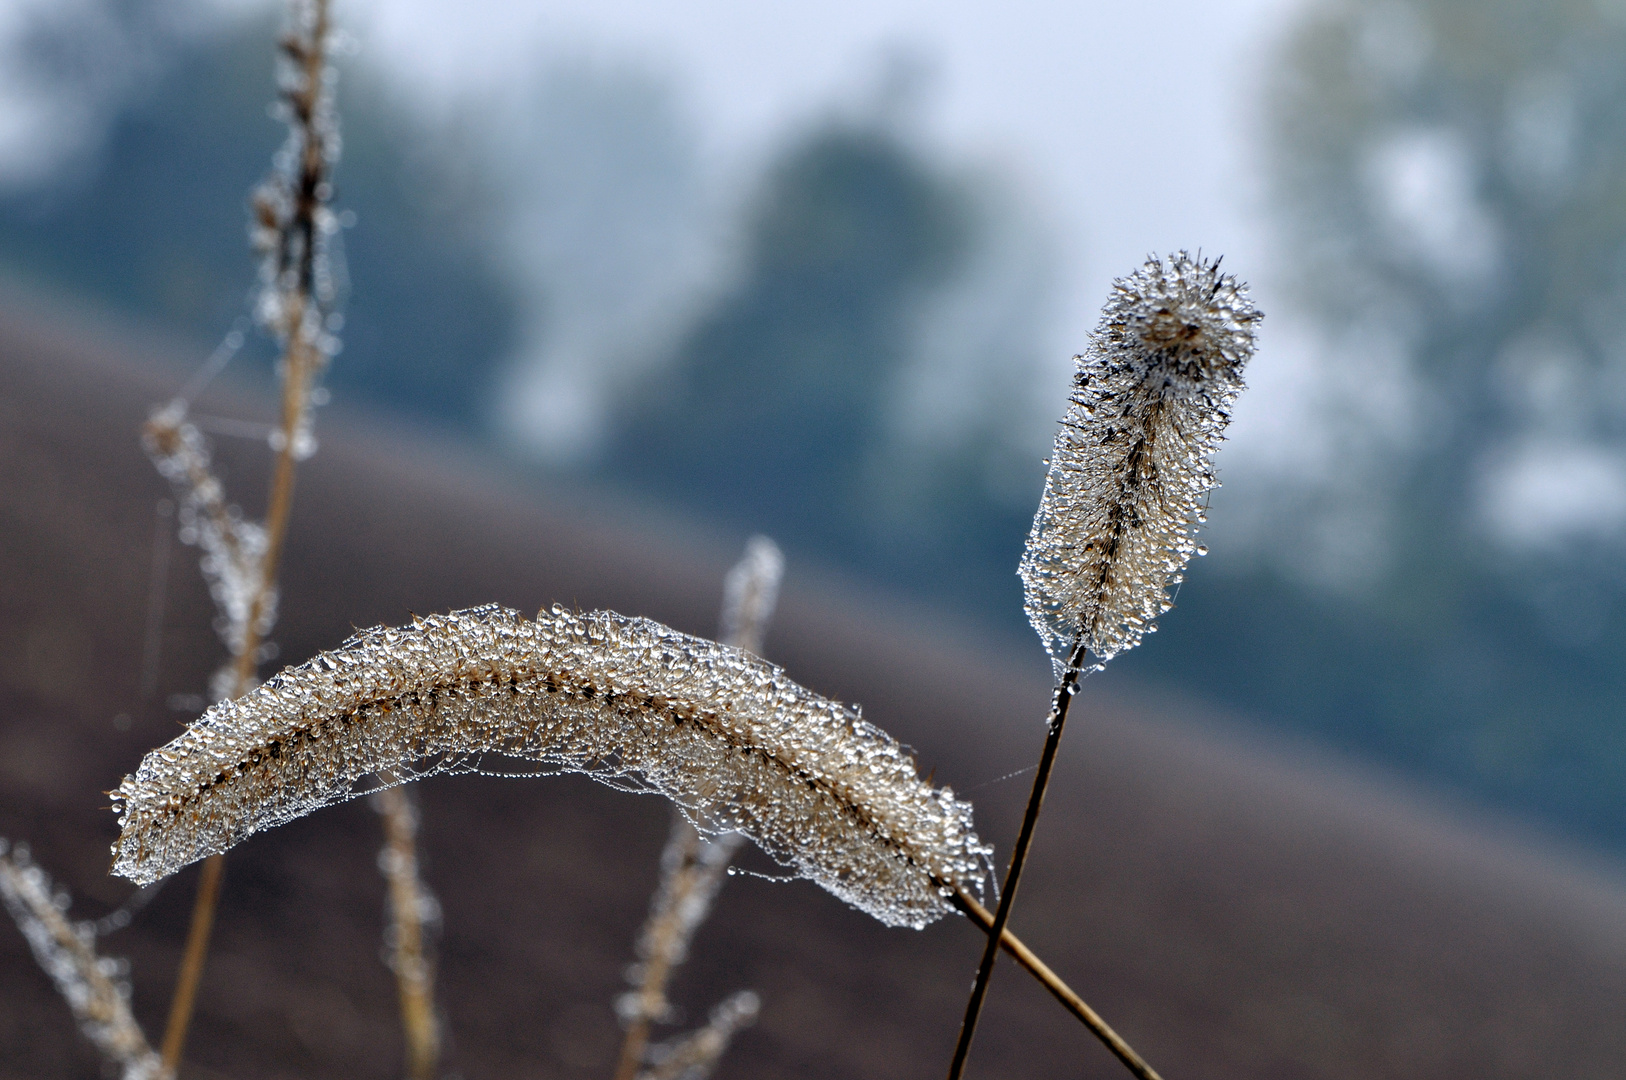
(1127, 128)
(1130, 125)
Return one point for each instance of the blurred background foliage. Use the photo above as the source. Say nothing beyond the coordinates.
(840, 349)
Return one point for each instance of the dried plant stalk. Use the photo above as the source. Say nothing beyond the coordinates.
(292, 225)
(750, 592)
(730, 739)
(1133, 460)
(1132, 464)
(91, 984)
(234, 550)
(692, 866)
(412, 909)
(1059, 990)
(696, 1055)
(692, 870)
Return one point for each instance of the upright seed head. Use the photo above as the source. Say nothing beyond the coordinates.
(1133, 461)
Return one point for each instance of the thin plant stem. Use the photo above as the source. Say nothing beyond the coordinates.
(300, 364)
(413, 971)
(1058, 989)
(295, 389)
(750, 593)
(197, 948)
(1065, 690)
(632, 1049)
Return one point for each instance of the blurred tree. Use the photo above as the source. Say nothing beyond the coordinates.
(1456, 169)
(152, 221)
(777, 401)
(1451, 176)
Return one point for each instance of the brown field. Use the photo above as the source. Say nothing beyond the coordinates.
(1236, 908)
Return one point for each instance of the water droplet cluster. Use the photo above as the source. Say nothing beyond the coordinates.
(1133, 461)
(727, 737)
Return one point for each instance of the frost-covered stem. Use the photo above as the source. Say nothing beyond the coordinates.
(301, 357)
(1065, 691)
(170, 435)
(295, 395)
(692, 871)
(414, 974)
(697, 1054)
(693, 866)
(649, 1000)
(1052, 982)
(300, 363)
(81, 976)
(633, 1045)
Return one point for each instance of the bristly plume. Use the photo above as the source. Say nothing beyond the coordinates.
(92, 985)
(726, 736)
(1133, 461)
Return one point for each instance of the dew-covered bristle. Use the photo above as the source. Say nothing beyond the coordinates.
(1133, 462)
(729, 738)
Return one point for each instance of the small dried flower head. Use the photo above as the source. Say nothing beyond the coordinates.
(726, 736)
(1133, 461)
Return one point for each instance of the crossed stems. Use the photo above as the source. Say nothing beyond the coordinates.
(999, 937)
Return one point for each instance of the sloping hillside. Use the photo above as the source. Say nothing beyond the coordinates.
(1236, 909)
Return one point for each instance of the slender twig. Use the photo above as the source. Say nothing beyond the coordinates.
(1065, 689)
(692, 865)
(91, 984)
(694, 1056)
(301, 362)
(649, 1000)
(191, 973)
(1058, 989)
(414, 973)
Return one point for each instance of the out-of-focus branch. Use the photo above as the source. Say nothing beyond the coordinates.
(412, 908)
(692, 869)
(292, 222)
(692, 866)
(90, 983)
(694, 1056)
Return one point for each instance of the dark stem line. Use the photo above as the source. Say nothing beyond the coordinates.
(1052, 982)
(1065, 689)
